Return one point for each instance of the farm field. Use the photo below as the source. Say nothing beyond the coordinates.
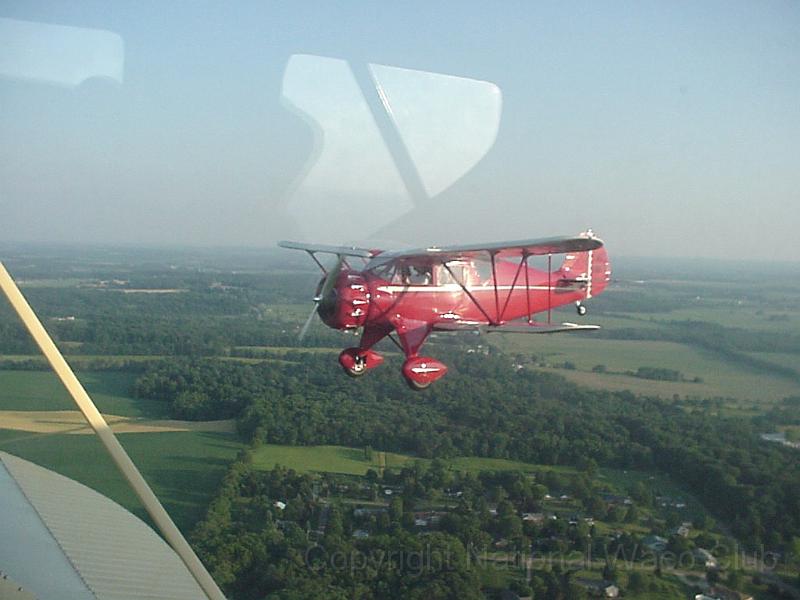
(352, 461)
(183, 467)
(325, 459)
(746, 317)
(41, 390)
(720, 378)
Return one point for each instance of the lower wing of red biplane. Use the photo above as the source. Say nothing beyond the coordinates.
(481, 287)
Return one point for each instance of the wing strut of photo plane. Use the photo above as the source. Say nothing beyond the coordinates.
(475, 287)
(115, 450)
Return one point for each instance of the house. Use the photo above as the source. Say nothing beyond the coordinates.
(366, 512)
(361, 534)
(599, 588)
(615, 499)
(668, 502)
(655, 543)
(720, 592)
(706, 558)
(533, 517)
(682, 530)
(279, 505)
(427, 518)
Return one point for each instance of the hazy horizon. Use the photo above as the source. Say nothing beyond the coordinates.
(671, 129)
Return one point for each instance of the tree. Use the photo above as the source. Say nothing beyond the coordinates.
(636, 582)
(617, 514)
(734, 579)
(609, 572)
(589, 466)
(632, 516)
(795, 548)
(396, 509)
(642, 494)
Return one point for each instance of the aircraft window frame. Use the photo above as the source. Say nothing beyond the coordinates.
(416, 273)
(387, 272)
(482, 271)
(443, 276)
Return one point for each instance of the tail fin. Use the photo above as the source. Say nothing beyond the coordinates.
(591, 269)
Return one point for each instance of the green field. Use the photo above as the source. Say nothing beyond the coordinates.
(324, 459)
(41, 390)
(720, 378)
(352, 461)
(732, 315)
(184, 468)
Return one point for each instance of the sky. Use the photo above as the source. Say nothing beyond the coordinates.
(672, 129)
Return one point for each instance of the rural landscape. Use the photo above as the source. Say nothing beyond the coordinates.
(658, 457)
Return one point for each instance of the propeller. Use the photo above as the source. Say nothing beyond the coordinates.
(307, 324)
(327, 287)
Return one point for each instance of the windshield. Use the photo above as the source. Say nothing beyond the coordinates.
(212, 124)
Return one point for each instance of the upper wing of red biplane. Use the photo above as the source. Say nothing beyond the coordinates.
(541, 246)
(325, 249)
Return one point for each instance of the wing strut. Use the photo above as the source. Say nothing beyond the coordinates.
(494, 281)
(528, 290)
(514, 285)
(549, 288)
(469, 294)
(316, 260)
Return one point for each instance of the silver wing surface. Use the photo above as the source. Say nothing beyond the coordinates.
(541, 246)
(326, 249)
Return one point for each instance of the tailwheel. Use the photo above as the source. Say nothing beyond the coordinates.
(580, 308)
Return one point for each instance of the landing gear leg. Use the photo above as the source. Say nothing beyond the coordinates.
(580, 308)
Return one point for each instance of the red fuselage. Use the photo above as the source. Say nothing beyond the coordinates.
(464, 292)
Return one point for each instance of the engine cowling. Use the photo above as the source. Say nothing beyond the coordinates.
(347, 304)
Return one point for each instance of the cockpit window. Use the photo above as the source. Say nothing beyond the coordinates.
(445, 277)
(418, 275)
(386, 272)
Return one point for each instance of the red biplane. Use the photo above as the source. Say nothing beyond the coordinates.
(482, 287)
